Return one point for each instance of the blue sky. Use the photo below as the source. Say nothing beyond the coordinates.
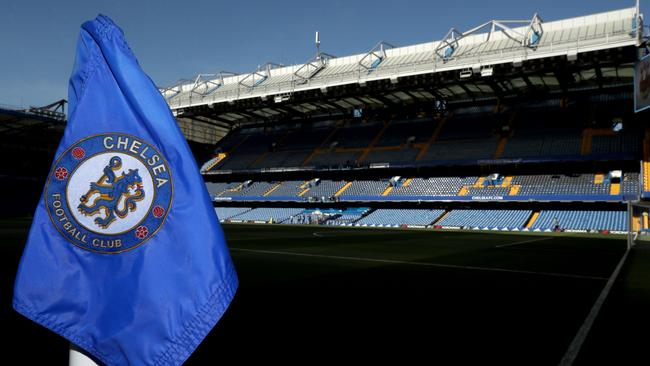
(179, 39)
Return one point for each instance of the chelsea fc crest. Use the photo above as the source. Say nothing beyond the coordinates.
(109, 193)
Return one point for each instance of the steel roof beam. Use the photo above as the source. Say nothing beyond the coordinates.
(534, 31)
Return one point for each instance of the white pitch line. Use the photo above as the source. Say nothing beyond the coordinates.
(578, 340)
(439, 265)
(521, 242)
(333, 234)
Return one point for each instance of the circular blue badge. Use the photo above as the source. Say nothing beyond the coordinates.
(109, 193)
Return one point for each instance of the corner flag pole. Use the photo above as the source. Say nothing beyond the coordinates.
(78, 358)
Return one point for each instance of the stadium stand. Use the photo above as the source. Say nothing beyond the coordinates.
(623, 143)
(560, 184)
(330, 217)
(291, 188)
(346, 217)
(437, 186)
(397, 130)
(581, 220)
(215, 189)
(400, 217)
(418, 130)
(631, 185)
(545, 220)
(255, 189)
(267, 215)
(226, 213)
(324, 188)
(551, 133)
(366, 188)
(515, 187)
(485, 219)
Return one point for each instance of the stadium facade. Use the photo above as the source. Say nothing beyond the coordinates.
(511, 125)
(520, 125)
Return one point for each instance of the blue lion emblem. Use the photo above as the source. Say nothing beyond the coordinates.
(112, 189)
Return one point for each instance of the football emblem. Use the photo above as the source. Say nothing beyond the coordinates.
(109, 193)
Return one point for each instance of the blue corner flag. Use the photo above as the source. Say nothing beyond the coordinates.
(125, 257)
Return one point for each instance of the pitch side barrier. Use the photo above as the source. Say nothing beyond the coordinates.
(519, 198)
(553, 197)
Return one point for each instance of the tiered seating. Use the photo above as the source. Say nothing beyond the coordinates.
(215, 188)
(466, 137)
(542, 143)
(326, 188)
(398, 217)
(302, 218)
(615, 221)
(335, 159)
(398, 132)
(328, 217)
(545, 132)
(233, 139)
(630, 184)
(488, 191)
(490, 219)
(288, 188)
(366, 188)
(437, 186)
(294, 148)
(225, 213)
(582, 220)
(208, 164)
(560, 184)
(536, 130)
(471, 126)
(527, 185)
(282, 159)
(305, 139)
(356, 135)
(238, 161)
(256, 189)
(266, 214)
(345, 218)
(246, 153)
(618, 143)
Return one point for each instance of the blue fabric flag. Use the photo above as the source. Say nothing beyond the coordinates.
(125, 257)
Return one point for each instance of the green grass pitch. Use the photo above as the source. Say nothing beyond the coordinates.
(321, 293)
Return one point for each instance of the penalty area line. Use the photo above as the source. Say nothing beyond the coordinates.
(521, 242)
(423, 264)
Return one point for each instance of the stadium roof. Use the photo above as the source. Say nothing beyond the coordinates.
(492, 60)
(25, 121)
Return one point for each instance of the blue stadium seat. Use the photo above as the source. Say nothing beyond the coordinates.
(398, 217)
(486, 219)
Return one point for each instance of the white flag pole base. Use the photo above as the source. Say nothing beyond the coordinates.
(78, 358)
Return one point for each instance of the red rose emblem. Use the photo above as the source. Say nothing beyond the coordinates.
(141, 232)
(61, 173)
(78, 153)
(158, 212)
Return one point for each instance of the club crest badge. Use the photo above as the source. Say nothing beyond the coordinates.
(109, 193)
